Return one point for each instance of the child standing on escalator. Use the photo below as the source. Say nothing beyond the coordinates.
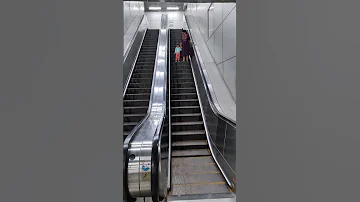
(177, 53)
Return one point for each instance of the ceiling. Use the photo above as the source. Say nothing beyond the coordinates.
(164, 5)
(181, 4)
(191, 1)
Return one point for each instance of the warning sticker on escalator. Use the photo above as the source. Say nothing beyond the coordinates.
(145, 171)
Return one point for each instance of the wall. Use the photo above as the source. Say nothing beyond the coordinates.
(133, 11)
(299, 82)
(175, 19)
(217, 23)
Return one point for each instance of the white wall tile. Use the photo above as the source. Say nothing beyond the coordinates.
(218, 14)
(230, 75)
(210, 44)
(132, 19)
(178, 24)
(218, 44)
(229, 36)
(227, 7)
(155, 24)
(174, 17)
(153, 16)
(178, 16)
(221, 68)
(211, 22)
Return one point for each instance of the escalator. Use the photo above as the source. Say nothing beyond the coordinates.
(193, 170)
(137, 95)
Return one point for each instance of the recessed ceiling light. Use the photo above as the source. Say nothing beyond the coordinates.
(172, 8)
(154, 8)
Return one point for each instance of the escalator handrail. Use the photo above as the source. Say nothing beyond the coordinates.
(154, 119)
(132, 134)
(216, 111)
(156, 142)
(127, 49)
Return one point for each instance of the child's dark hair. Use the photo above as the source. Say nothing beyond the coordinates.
(177, 44)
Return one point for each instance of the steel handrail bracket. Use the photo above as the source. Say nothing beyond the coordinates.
(139, 145)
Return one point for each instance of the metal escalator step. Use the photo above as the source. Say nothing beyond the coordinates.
(135, 110)
(189, 143)
(130, 103)
(146, 62)
(200, 178)
(197, 189)
(181, 115)
(182, 73)
(142, 75)
(178, 67)
(147, 56)
(179, 103)
(183, 85)
(185, 110)
(186, 107)
(141, 80)
(136, 107)
(187, 123)
(139, 85)
(188, 135)
(141, 96)
(130, 123)
(180, 77)
(133, 117)
(142, 67)
(142, 71)
(186, 100)
(184, 96)
(193, 161)
(148, 51)
(191, 165)
(128, 126)
(186, 117)
(191, 153)
(182, 90)
(138, 90)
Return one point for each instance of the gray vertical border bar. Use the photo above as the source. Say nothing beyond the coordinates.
(298, 77)
(61, 101)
